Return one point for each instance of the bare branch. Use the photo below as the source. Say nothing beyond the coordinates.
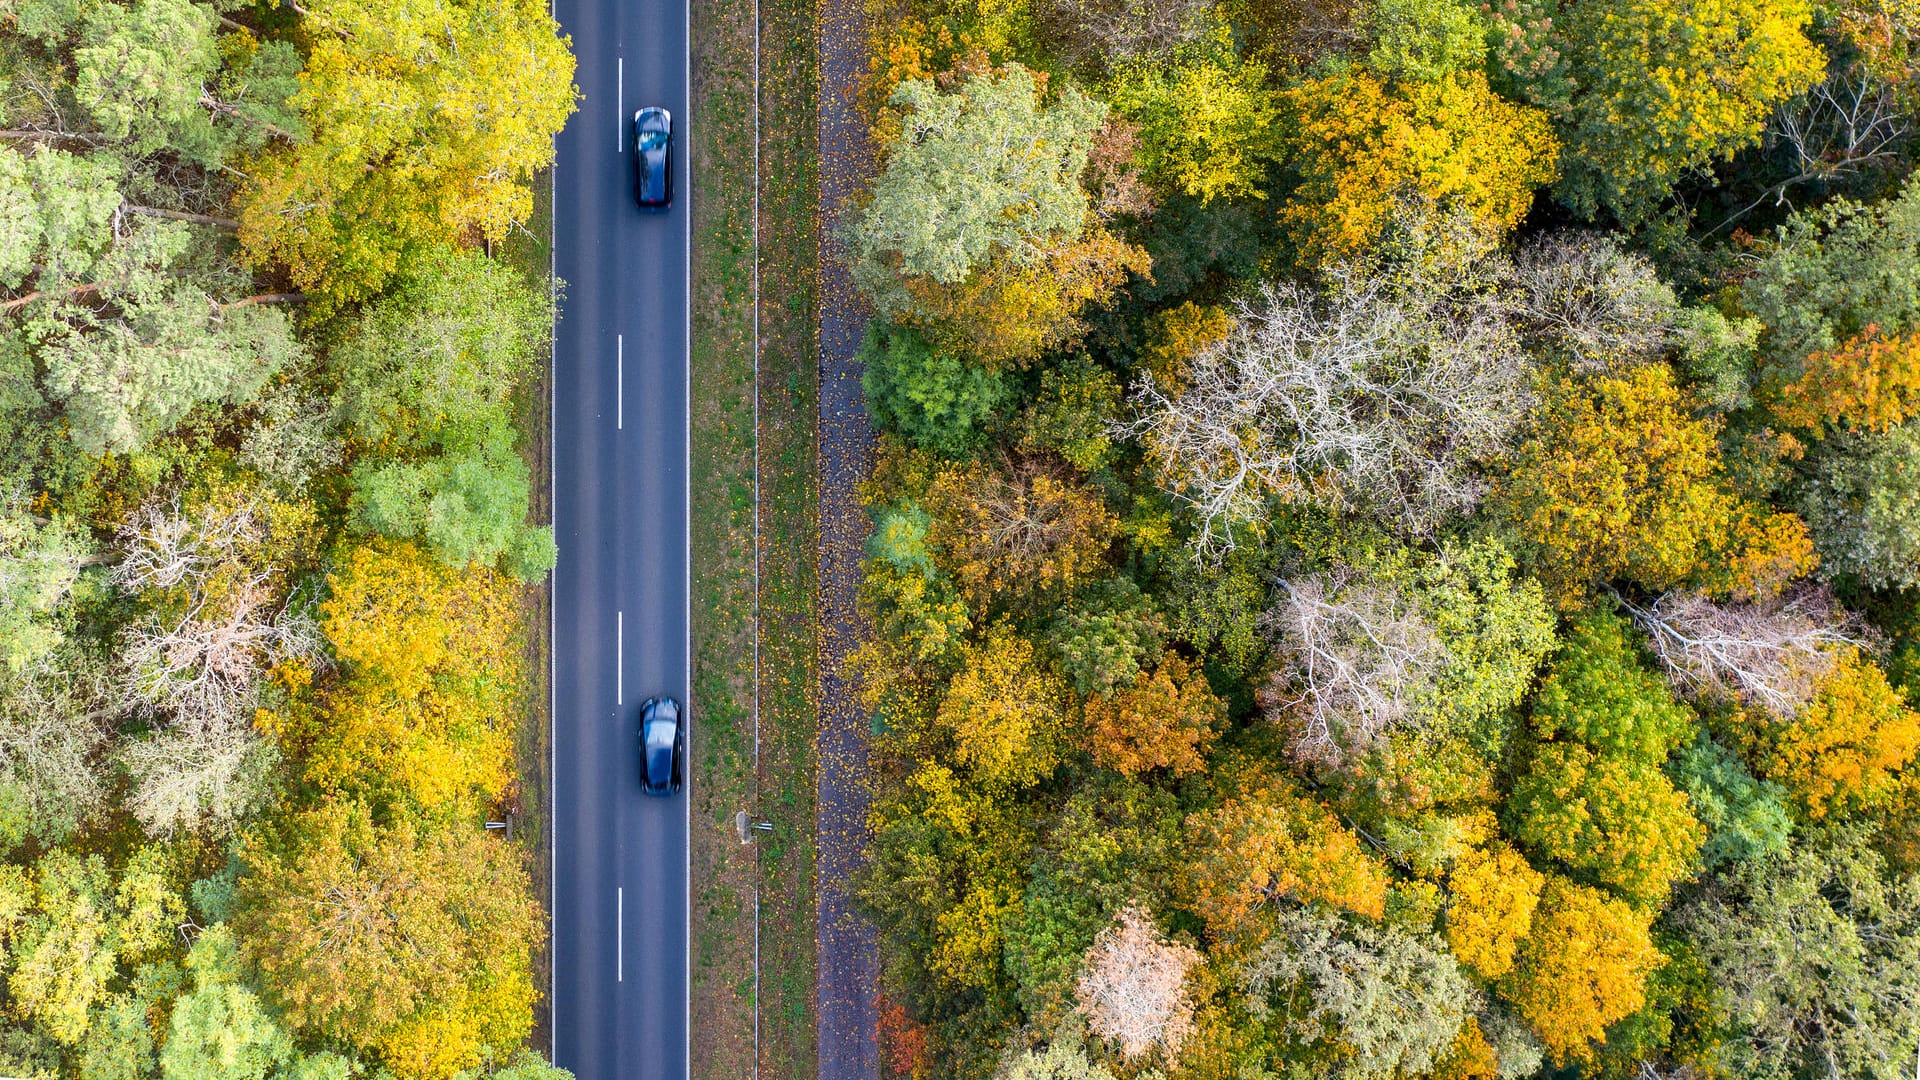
(1770, 656)
(1134, 986)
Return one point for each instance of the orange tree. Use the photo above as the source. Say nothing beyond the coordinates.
(1842, 752)
(1583, 966)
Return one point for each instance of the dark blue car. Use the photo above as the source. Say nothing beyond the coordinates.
(653, 158)
(662, 746)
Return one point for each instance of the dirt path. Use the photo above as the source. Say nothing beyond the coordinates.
(848, 955)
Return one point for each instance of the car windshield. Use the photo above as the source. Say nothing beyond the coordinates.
(660, 734)
(652, 140)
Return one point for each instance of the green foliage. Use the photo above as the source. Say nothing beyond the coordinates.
(1425, 40)
(1074, 415)
(1815, 955)
(1861, 500)
(1599, 693)
(428, 379)
(1832, 272)
(39, 562)
(1106, 635)
(1205, 119)
(1745, 818)
(220, 1030)
(1613, 819)
(934, 398)
(1391, 1000)
(987, 169)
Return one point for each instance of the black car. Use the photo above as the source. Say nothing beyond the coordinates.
(653, 158)
(663, 746)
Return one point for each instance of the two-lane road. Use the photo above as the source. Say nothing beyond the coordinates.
(620, 471)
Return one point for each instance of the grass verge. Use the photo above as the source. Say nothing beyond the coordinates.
(531, 253)
(727, 578)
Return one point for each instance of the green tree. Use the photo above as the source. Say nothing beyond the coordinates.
(1644, 92)
(475, 91)
(220, 1030)
(1816, 958)
(934, 398)
(1106, 635)
(1745, 818)
(39, 562)
(72, 927)
(1205, 119)
(427, 380)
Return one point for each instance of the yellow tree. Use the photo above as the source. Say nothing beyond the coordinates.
(1583, 966)
(1492, 894)
(1361, 146)
(428, 119)
(1843, 751)
(1620, 480)
(412, 942)
(1006, 715)
(430, 681)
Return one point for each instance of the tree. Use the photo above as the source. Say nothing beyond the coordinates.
(1075, 414)
(1861, 500)
(1645, 92)
(985, 169)
(219, 617)
(1106, 637)
(1005, 714)
(1134, 987)
(1598, 693)
(1617, 480)
(1360, 145)
(1769, 656)
(1745, 818)
(219, 1029)
(1613, 818)
(1269, 842)
(477, 92)
(1394, 1001)
(1204, 117)
(71, 928)
(1492, 894)
(1583, 966)
(1814, 955)
(977, 231)
(431, 677)
(1602, 308)
(1435, 646)
(1842, 752)
(427, 384)
(1869, 383)
(1015, 532)
(1101, 34)
(1380, 392)
(909, 599)
(51, 776)
(1166, 720)
(1831, 273)
(411, 942)
(39, 562)
(933, 398)
(1063, 1059)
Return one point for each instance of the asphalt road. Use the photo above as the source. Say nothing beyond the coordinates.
(620, 960)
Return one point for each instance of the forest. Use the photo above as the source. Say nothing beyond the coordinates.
(1396, 534)
(265, 541)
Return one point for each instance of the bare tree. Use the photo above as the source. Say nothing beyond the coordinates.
(1602, 306)
(193, 665)
(1133, 988)
(1381, 391)
(1099, 34)
(1770, 656)
(1353, 656)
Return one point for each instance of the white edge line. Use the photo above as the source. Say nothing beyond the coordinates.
(620, 935)
(619, 382)
(620, 106)
(619, 658)
(686, 527)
